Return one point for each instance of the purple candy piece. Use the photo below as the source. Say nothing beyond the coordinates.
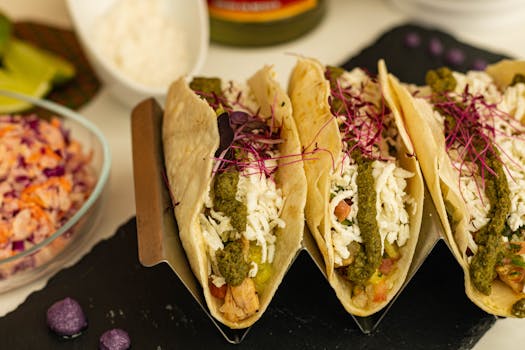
(66, 318)
(455, 57)
(412, 40)
(435, 47)
(479, 64)
(114, 339)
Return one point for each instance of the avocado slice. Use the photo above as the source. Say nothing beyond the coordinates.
(27, 59)
(35, 86)
(6, 29)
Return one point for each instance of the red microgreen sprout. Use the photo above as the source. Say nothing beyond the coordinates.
(255, 138)
(361, 122)
(470, 131)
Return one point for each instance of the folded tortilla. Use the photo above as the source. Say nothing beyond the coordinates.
(324, 154)
(458, 183)
(191, 139)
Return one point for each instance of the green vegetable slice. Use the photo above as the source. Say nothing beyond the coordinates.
(6, 29)
(26, 59)
(12, 81)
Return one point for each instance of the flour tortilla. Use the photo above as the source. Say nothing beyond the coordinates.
(442, 181)
(190, 139)
(309, 92)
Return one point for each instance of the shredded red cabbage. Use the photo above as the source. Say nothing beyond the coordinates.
(248, 142)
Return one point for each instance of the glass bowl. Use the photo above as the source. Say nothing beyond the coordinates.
(51, 254)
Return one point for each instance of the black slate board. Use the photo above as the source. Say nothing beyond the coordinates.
(410, 64)
(159, 313)
(153, 306)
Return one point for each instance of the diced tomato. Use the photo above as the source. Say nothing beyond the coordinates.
(512, 276)
(342, 210)
(386, 266)
(217, 292)
(380, 291)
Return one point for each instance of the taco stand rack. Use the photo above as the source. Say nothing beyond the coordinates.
(158, 239)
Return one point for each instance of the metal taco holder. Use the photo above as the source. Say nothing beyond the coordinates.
(158, 239)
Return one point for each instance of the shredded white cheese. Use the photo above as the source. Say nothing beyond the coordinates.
(140, 39)
(392, 216)
(243, 97)
(343, 186)
(263, 204)
(391, 203)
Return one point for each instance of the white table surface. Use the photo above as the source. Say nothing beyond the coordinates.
(349, 26)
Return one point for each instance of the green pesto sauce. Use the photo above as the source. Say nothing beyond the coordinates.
(224, 189)
(488, 238)
(440, 80)
(332, 74)
(207, 86)
(368, 258)
(518, 309)
(232, 265)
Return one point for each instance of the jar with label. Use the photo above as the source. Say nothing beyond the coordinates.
(262, 22)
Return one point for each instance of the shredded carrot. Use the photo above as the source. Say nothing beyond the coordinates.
(5, 233)
(6, 129)
(56, 122)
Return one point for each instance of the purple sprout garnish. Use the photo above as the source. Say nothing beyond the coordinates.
(249, 141)
(470, 131)
(361, 123)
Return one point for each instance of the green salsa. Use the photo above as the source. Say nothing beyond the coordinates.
(488, 238)
(518, 309)
(209, 86)
(368, 258)
(332, 74)
(232, 264)
(441, 80)
(224, 190)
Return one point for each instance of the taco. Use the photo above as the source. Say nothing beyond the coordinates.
(233, 163)
(365, 189)
(469, 140)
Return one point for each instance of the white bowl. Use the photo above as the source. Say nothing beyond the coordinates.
(190, 16)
